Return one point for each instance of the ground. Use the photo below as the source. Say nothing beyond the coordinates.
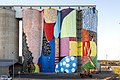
(106, 75)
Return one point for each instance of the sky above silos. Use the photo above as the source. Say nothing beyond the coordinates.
(108, 22)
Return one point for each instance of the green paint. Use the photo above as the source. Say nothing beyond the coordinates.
(69, 25)
(88, 65)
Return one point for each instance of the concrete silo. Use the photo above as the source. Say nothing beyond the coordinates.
(9, 39)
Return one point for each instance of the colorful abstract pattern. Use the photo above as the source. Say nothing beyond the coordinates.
(88, 53)
(89, 39)
(89, 65)
(46, 46)
(50, 15)
(67, 64)
(68, 47)
(90, 19)
(68, 28)
(79, 38)
(47, 59)
(31, 27)
(27, 56)
(56, 35)
(68, 44)
(65, 12)
(56, 50)
(66, 39)
(47, 62)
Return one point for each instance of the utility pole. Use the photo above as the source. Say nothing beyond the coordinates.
(106, 60)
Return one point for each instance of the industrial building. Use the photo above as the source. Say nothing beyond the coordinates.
(54, 39)
(9, 39)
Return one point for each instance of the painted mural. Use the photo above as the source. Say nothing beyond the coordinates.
(47, 61)
(33, 30)
(89, 39)
(60, 40)
(67, 64)
(68, 44)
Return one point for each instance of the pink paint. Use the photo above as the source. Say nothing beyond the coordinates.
(85, 59)
(32, 27)
(64, 47)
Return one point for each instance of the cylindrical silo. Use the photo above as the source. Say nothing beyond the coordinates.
(9, 35)
(68, 43)
(89, 39)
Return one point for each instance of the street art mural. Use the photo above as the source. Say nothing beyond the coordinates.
(89, 39)
(68, 33)
(61, 40)
(47, 59)
(32, 20)
(67, 64)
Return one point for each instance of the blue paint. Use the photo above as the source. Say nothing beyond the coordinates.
(67, 64)
(57, 26)
(48, 62)
(90, 19)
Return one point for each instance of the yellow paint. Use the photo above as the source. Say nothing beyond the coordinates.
(73, 48)
(93, 48)
(50, 15)
(91, 62)
(36, 68)
(79, 48)
(57, 47)
(116, 70)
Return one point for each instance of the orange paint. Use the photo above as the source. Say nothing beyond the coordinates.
(86, 42)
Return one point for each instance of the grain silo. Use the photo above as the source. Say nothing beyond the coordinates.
(9, 39)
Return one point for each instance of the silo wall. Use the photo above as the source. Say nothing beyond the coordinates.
(9, 35)
(9, 39)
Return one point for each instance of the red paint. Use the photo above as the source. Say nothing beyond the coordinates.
(72, 38)
(86, 47)
(86, 42)
(49, 30)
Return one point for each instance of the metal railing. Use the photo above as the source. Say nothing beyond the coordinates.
(59, 6)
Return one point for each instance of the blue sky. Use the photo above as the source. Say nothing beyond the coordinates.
(108, 22)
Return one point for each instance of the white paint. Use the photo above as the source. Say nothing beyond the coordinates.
(73, 69)
(20, 38)
(74, 64)
(67, 60)
(62, 69)
(67, 65)
(72, 58)
(64, 63)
